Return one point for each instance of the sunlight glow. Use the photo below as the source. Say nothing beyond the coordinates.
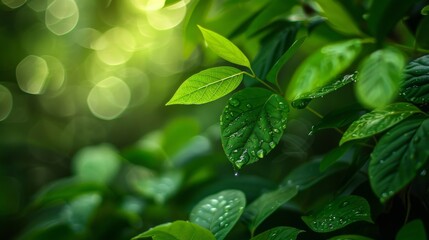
(61, 16)
(167, 17)
(13, 3)
(115, 46)
(6, 102)
(31, 74)
(148, 5)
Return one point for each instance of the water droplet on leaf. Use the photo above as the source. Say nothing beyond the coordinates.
(260, 153)
(272, 145)
(234, 102)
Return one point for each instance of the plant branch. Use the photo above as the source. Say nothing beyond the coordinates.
(253, 75)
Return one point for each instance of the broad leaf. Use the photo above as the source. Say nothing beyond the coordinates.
(224, 48)
(332, 156)
(252, 124)
(265, 205)
(378, 120)
(207, 86)
(273, 73)
(178, 230)
(304, 99)
(415, 87)
(398, 156)
(338, 17)
(380, 76)
(340, 117)
(279, 233)
(219, 212)
(339, 213)
(308, 174)
(321, 67)
(413, 230)
(350, 237)
(384, 14)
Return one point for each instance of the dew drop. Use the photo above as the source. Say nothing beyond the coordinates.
(260, 153)
(236, 174)
(310, 133)
(272, 145)
(276, 130)
(344, 204)
(248, 105)
(231, 113)
(234, 102)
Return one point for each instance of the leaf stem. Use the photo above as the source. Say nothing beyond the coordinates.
(321, 117)
(253, 75)
(409, 49)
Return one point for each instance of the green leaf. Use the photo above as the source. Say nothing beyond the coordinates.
(265, 205)
(219, 212)
(252, 124)
(338, 17)
(398, 156)
(308, 174)
(321, 67)
(279, 233)
(273, 73)
(425, 10)
(380, 76)
(339, 213)
(413, 230)
(378, 120)
(273, 10)
(384, 14)
(207, 86)
(422, 35)
(340, 117)
(159, 188)
(96, 164)
(304, 99)
(224, 48)
(350, 237)
(332, 156)
(78, 212)
(178, 230)
(415, 87)
(177, 134)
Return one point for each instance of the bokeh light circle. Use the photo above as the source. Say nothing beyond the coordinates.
(115, 46)
(13, 3)
(31, 74)
(61, 16)
(148, 5)
(167, 17)
(109, 98)
(6, 102)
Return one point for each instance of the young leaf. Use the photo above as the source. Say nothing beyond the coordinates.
(224, 48)
(415, 87)
(338, 17)
(350, 237)
(413, 230)
(178, 230)
(273, 73)
(219, 212)
(279, 233)
(265, 205)
(378, 120)
(304, 99)
(207, 86)
(321, 67)
(380, 76)
(252, 124)
(398, 156)
(339, 213)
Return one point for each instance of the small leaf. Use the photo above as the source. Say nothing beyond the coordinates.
(378, 120)
(338, 17)
(332, 156)
(273, 73)
(224, 48)
(413, 230)
(321, 67)
(339, 213)
(304, 99)
(178, 230)
(252, 124)
(219, 212)
(380, 76)
(415, 87)
(207, 86)
(279, 233)
(265, 205)
(350, 237)
(425, 10)
(398, 156)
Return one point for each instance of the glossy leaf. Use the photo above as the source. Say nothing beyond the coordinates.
(273, 10)
(178, 230)
(378, 120)
(224, 48)
(321, 67)
(383, 15)
(96, 163)
(252, 124)
(338, 17)
(339, 213)
(279, 233)
(380, 76)
(413, 230)
(219, 212)
(398, 156)
(207, 86)
(350, 237)
(304, 99)
(308, 174)
(265, 205)
(415, 87)
(273, 73)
